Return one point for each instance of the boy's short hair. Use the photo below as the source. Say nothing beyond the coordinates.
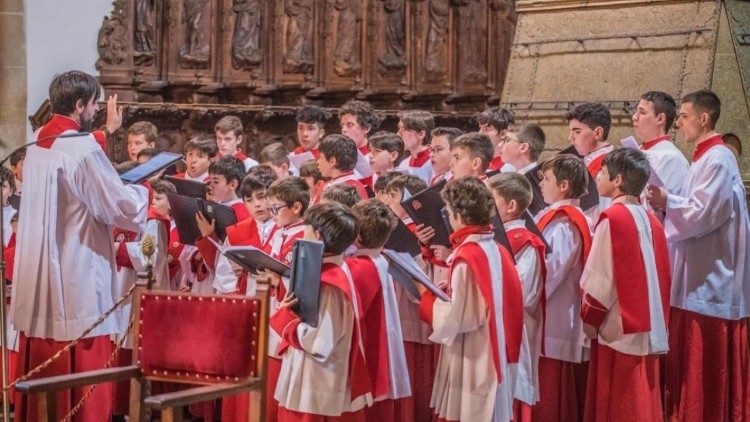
(406, 181)
(230, 124)
(388, 141)
(342, 148)
(730, 139)
(7, 176)
(14, 218)
(275, 153)
(343, 193)
(469, 198)
(497, 117)
(312, 114)
(147, 129)
(149, 153)
(592, 115)
(533, 136)
(632, 165)
(450, 133)
(229, 167)
(203, 143)
(376, 222)
(290, 190)
(381, 183)
(571, 168)
(163, 187)
(17, 156)
(663, 103)
(259, 177)
(310, 169)
(478, 145)
(336, 225)
(417, 120)
(513, 187)
(125, 167)
(705, 101)
(364, 112)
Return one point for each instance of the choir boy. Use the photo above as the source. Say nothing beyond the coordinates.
(479, 329)
(358, 120)
(323, 371)
(311, 123)
(381, 331)
(386, 152)
(512, 194)
(275, 156)
(562, 371)
(160, 205)
(653, 117)
(310, 173)
(342, 193)
(440, 152)
(589, 125)
(16, 165)
(201, 150)
(338, 156)
(229, 133)
(708, 365)
(415, 128)
(625, 288)
(141, 135)
(494, 123)
(521, 149)
(225, 177)
(471, 154)
(382, 182)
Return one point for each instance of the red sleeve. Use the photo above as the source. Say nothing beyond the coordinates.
(285, 322)
(592, 311)
(208, 250)
(426, 306)
(101, 139)
(122, 257)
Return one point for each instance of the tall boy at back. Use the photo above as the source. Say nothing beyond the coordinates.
(440, 153)
(338, 156)
(494, 123)
(201, 150)
(521, 149)
(415, 128)
(229, 133)
(625, 287)
(311, 123)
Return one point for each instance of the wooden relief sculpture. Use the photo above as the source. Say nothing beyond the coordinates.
(144, 32)
(393, 61)
(472, 32)
(298, 56)
(195, 46)
(247, 50)
(347, 53)
(504, 13)
(435, 57)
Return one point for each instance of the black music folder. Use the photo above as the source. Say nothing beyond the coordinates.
(405, 271)
(184, 209)
(154, 165)
(500, 235)
(403, 240)
(15, 201)
(530, 224)
(304, 281)
(187, 187)
(425, 208)
(252, 259)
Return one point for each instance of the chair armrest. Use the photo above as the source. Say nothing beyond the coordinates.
(200, 394)
(64, 382)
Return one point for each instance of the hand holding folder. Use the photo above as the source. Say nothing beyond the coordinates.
(185, 208)
(304, 281)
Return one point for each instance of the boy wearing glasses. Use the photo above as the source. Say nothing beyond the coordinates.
(415, 128)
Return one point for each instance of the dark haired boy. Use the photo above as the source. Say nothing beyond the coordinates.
(229, 132)
(589, 125)
(440, 153)
(471, 155)
(708, 230)
(512, 195)
(382, 182)
(521, 149)
(342, 193)
(386, 152)
(494, 123)
(479, 329)
(16, 165)
(625, 287)
(653, 117)
(311, 123)
(415, 128)
(381, 331)
(310, 173)
(358, 120)
(201, 151)
(141, 135)
(338, 156)
(323, 370)
(566, 229)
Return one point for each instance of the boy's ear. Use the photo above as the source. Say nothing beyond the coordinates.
(599, 133)
(334, 163)
(297, 208)
(393, 155)
(234, 184)
(239, 139)
(321, 133)
(564, 186)
(476, 163)
(617, 182)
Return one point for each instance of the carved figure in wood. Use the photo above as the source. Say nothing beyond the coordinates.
(393, 62)
(505, 26)
(298, 54)
(346, 55)
(436, 45)
(472, 32)
(195, 46)
(247, 50)
(144, 29)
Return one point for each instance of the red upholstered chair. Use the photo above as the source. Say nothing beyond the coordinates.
(218, 342)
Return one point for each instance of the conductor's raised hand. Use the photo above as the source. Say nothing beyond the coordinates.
(206, 227)
(114, 114)
(288, 301)
(425, 234)
(269, 277)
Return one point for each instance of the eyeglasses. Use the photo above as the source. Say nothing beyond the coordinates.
(274, 209)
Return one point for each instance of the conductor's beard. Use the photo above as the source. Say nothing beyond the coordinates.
(87, 125)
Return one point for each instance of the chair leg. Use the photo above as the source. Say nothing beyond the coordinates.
(172, 414)
(138, 393)
(47, 407)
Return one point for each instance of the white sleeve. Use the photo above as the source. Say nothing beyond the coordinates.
(567, 246)
(529, 271)
(224, 279)
(465, 312)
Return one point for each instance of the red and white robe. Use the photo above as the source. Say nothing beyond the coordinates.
(418, 165)
(497, 165)
(246, 161)
(626, 285)
(479, 330)
(594, 161)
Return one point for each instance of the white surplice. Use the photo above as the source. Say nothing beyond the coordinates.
(65, 258)
(708, 230)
